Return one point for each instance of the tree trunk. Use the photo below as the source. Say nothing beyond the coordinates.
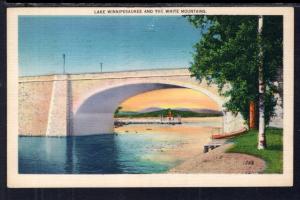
(262, 144)
(252, 117)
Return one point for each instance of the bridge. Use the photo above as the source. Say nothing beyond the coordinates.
(84, 104)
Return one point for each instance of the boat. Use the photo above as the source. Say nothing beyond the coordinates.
(228, 135)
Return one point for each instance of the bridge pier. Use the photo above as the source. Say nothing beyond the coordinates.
(58, 117)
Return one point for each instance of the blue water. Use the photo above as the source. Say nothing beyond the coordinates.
(101, 154)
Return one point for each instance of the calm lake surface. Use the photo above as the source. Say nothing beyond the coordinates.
(128, 152)
(90, 154)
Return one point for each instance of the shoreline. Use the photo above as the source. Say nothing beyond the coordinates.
(183, 144)
(218, 161)
(189, 138)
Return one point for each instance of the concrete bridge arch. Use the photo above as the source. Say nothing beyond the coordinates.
(94, 112)
(81, 104)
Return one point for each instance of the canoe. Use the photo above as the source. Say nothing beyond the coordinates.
(228, 135)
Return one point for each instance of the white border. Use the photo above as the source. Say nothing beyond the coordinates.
(15, 180)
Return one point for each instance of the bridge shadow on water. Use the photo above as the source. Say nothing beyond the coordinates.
(68, 155)
(92, 154)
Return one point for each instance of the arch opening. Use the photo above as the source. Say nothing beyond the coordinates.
(171, 106)
(95, 115)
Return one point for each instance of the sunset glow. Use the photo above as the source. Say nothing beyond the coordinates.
(170, 98)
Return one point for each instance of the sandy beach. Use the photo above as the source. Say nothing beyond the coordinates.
(217, 161)
(192, 136)
(193, 133)
(191, 142)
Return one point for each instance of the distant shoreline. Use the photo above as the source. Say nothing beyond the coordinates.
(165, 113)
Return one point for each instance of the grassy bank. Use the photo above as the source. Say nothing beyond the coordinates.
(165, 113)
(273, 155)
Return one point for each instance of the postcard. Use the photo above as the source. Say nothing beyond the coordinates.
(150, 96)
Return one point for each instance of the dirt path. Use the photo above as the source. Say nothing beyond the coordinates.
(217, 161)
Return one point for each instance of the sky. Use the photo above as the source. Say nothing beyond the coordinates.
(120, 42)
(169, 98)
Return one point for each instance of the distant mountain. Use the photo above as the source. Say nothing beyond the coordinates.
(153, 109)
(199, 110)
(150, 109)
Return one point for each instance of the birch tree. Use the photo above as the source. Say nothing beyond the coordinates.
(261, 87)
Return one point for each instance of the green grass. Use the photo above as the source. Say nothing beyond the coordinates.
(165, 113)
(273, 154)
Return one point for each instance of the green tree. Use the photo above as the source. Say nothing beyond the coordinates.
(228, 56)
(118, 110)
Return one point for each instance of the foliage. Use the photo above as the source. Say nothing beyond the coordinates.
(118, 110)
(273, 156)
(165, 114)
(227, 55)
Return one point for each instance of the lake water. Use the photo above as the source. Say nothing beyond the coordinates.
(130, 152)
(107, 153)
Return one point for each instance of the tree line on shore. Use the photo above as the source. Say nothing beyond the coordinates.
(163, 112)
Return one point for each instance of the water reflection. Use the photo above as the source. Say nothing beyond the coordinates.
(95, 154)
(69, 164)
(91, 154)
(137, 149)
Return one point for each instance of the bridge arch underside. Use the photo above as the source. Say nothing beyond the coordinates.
(96, 114)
